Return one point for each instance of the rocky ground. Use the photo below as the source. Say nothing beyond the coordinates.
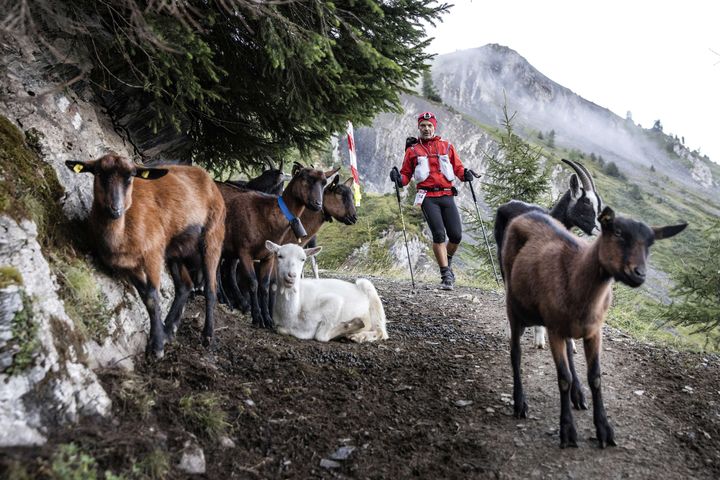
(433, 401)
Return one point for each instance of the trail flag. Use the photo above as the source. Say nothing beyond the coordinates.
(353, 164)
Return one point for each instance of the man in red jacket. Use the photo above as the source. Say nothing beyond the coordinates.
(434, 165)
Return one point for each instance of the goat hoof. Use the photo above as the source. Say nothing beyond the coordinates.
(153, 354)
(206, 341)
(605, 436)
(568, 436)
(521, 412)
(169, 336)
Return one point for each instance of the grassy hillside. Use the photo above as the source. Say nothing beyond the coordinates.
(377, 215)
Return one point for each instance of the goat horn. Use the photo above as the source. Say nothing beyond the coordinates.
(582, 173)
(592, 182)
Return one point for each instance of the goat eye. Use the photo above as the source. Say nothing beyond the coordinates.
(618, 233)
(280, 256)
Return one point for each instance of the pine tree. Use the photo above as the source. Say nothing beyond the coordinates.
(515, 171)
(428, 88)
(551, 139)
(697, 288)
(236, 81)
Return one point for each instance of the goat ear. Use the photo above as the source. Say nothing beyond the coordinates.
(348, 182)
(80, 167)
(312, 251)
(150, 173)
(575, 186)
(606, 218)
(332, 172)
(335, 181)
(273, 247)
(296, 168)
(668, 231)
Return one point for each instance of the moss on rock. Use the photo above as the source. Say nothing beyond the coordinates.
(9, 276)
(29, 188)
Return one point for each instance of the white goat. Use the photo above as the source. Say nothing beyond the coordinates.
(323, 309)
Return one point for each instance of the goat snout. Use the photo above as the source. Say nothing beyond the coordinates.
(350, 220)
(290, 278)
(115, 212)
(634, 276)
(316, 206)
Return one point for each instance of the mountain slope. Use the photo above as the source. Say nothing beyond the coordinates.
(474, 84)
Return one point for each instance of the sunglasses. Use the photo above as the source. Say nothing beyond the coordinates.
(427, 116)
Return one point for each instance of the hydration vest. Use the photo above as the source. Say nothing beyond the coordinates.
(422, 169)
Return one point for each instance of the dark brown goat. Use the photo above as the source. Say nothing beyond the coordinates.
(269, 181)
(255, 217)
(142, 219)
(559, 281)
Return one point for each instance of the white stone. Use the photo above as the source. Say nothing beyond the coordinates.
(192, 460)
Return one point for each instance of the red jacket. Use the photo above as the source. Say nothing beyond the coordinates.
(432, 148)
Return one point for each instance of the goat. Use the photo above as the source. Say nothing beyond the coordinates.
(578, 207)
(560, 281)
(254, 217)
(323, 309)
(142, 219)
(337, 204)
(269, 181)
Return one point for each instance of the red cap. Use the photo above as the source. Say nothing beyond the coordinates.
(429, 117)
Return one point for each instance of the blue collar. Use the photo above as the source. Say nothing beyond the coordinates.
(285, 210)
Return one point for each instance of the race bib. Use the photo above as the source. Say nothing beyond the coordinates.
(419, 198)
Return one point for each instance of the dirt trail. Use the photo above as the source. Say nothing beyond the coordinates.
(431, 402)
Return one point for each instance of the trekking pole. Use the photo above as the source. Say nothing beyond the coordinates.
(407, 249)
(482, 226)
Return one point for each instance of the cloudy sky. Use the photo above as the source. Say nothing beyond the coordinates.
(657, 59)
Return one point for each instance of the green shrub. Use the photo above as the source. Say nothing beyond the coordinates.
(24, 337)
(71, 463)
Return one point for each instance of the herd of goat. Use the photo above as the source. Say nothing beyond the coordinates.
(145, 218)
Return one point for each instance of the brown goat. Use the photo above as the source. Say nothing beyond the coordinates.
(559, 281)
(337, 204)
(255, 217)
(142, 219)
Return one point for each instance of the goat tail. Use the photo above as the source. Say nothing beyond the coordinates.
(377, 312)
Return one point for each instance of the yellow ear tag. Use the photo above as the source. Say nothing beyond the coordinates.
(78, 167)
(145, 173)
